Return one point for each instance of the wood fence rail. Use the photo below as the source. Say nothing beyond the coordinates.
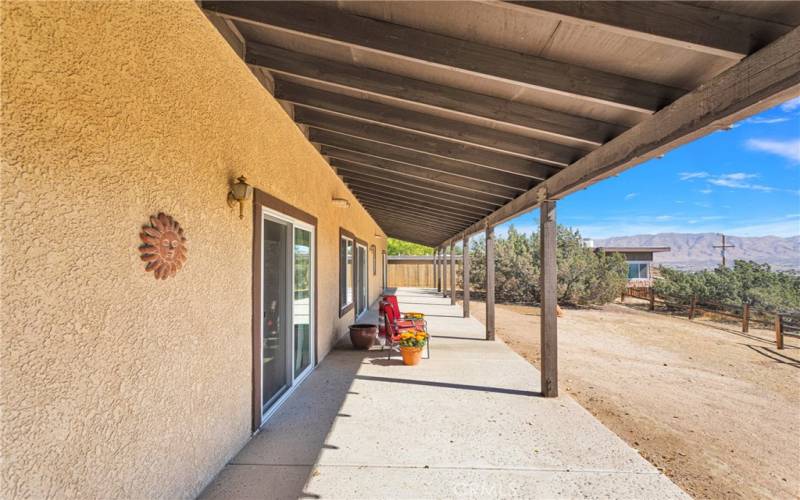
(786, 324)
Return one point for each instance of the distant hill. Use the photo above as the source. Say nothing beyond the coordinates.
(695, 250)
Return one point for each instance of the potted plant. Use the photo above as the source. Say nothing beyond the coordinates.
(411, 344)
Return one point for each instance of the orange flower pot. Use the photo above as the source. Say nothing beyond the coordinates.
(411, 355)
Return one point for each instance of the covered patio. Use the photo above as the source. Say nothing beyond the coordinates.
(469, 422)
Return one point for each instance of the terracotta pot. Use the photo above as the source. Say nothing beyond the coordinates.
(363, 335)
(411, 355)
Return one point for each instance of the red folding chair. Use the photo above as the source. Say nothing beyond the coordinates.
(393, 330)
(415, 320)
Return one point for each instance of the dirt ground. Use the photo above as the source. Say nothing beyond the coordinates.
(715, 409)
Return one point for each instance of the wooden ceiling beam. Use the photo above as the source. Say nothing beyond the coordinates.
(404, 173)
(414, 218)
(422, 143)
(406, 119)
(427, 208)
(541, 120)
(330, 24)
(380, 192)
(358, 172)
(408, 227)
(394, 188)
(436, 163)
(678, 24)
(763, 80)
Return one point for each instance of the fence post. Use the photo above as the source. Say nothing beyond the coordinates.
(622, 297)
(778, 332)
(691, 308)
(746, 318)
(652, 300)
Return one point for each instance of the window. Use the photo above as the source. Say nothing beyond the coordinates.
(346, 250)
(638, 270)
(374, 251)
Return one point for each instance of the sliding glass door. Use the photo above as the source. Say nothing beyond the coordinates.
(287, 306)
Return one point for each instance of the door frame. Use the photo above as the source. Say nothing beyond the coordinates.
(357, 270)
(280, 209)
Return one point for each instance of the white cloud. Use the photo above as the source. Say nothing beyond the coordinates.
(631, 196)
(766, 121)
(791, 105)
(789, 149)
(739, 180)
(686, 176)
(706, 191)
(664, 217)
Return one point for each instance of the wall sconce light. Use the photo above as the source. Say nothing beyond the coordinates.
(340, 202)
(240, 192)
(378, 235)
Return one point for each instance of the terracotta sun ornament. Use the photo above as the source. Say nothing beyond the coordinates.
(164, 247)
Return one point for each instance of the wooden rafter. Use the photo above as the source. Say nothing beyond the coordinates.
(364, 148)
(313, 20)
(422, 143)
(454, 130)
(544, 121)
(679, 24)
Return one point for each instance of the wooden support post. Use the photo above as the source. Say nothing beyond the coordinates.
(622, 297)
(489, 283)
(453, 273)
(652, 305)
(465, 274)
(778, 332)
(547, 289)
(444, 271)
(746, 318)
(436, 283)
(692, 306)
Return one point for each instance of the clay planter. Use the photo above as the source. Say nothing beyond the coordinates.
(411, 355)
(363, 335)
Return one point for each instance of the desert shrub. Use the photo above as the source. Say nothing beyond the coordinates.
(746, 282)
(584, 276)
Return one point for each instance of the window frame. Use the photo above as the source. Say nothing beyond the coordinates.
(344, 306)
(639, 264)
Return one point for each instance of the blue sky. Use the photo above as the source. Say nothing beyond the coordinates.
(744, 182)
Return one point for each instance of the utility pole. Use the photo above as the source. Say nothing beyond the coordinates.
(722, 249)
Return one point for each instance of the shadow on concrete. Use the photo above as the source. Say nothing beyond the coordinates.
(281, 458)
(464, 387)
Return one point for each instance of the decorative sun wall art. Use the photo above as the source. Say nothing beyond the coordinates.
(164, 249)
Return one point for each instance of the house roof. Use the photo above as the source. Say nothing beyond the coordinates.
(633, 249)
(445, 117)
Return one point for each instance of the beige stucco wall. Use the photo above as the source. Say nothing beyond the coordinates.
(115, 384)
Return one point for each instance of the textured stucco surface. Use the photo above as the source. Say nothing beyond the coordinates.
(115, 384)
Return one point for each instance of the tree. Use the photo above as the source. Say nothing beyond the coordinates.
(400, 247)
(746, 283)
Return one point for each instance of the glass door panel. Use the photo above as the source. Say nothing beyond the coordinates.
(274, 376)
(361, 279)
(302, 297)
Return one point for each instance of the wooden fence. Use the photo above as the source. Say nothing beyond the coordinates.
(786, 324)
(413, 271)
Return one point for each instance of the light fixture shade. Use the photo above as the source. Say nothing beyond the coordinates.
(241, 190)
(341, 203)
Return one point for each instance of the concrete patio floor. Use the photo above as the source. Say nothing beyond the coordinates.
(469, 422)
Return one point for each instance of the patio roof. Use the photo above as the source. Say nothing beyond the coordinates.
(444, 118)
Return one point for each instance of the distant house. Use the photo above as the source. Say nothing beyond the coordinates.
(639, 261)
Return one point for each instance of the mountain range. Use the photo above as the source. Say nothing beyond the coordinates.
(694, 251)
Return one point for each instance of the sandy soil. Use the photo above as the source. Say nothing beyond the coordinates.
(715, 409)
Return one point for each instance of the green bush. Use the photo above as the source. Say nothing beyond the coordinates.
(746, 282)
(585, 277)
